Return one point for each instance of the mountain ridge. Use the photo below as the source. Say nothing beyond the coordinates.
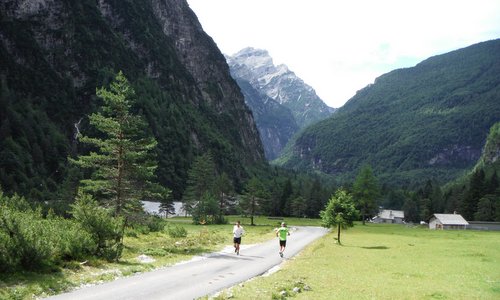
(57, 52)
(272, 93)
(430, 120)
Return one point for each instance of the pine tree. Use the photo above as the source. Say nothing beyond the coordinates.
(254, 198)
(411, 209)
(123, 164)
(224, 189)
(200, 185)
(485, 209)
(366, 192)
(285, 198)
(315, 199)
(475, 192)
(492, 184)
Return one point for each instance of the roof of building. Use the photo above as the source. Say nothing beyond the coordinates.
(451, 219)
(391, 214)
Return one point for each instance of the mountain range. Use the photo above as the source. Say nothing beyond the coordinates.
(428, 121)
(281, 102)
(412, 124)
(54, 54)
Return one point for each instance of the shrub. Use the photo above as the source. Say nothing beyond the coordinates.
(29, 241)
(177, 231)
(106, 230)
(155, 223)
(155, 252)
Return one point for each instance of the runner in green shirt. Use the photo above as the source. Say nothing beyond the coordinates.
(282, 233)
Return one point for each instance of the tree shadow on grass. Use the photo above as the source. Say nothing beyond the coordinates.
(376, 248)
(370, 247)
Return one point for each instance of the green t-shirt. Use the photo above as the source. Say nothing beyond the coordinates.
(282, 233)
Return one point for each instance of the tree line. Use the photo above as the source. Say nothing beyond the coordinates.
(118, 170)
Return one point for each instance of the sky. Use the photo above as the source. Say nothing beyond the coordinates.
(339, 47)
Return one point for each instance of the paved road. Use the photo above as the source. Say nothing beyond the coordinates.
(203, 275)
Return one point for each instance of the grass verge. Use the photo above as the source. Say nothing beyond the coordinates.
(386, 262)
(164, 249)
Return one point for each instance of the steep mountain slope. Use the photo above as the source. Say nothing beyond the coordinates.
(411, 124)
(279, 83)
(274, 121)
(55, 53)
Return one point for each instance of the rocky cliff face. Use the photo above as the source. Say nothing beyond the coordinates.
(275, 122)
(491, 151)
(54, 53)
(280, 84)
(280, 101)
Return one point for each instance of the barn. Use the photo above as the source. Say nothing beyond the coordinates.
(447, 221)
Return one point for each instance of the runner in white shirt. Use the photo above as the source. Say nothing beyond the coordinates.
(238, 231)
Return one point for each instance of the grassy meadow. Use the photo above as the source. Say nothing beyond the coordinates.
(161, 246)
(385, 261)
(375, 261)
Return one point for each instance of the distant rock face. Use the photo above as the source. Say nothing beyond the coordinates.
(491, 151)
(275, 122)
(280, 101)
(54, 53)
(280, 84)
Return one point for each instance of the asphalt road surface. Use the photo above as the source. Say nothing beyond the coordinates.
(201, 276)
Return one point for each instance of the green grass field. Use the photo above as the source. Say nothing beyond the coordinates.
(159, 245)
(374, 262)
(387, 262)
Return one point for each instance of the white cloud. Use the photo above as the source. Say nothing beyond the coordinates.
(338, 47)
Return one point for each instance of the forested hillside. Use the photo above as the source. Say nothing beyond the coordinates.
(477, 195)
(53, 56)
(425, 122)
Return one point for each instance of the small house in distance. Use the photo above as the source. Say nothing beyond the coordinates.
(389, 216)
(447, 221)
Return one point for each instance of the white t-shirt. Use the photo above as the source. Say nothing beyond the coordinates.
(238, 231)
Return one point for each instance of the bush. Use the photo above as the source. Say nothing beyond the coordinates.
(155, 223)
(155, 252)
(29, 241)
(106, 230)
(177, 231)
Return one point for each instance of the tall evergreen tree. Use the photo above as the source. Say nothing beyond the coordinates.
(286, 194)
(315, 199)
(201, 183)
(366, 192)
(253, 199)
(410, 209)
(224, 190)
(474, 193)
(492, 184)
(123, 163)
(298, 206)
(485, 209)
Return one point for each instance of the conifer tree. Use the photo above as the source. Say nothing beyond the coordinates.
(123, 162)
(224, 189)
(253, 199)
(200, 185)
(366, 192)
(475, 192)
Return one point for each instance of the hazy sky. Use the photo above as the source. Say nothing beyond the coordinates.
(338, 47)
